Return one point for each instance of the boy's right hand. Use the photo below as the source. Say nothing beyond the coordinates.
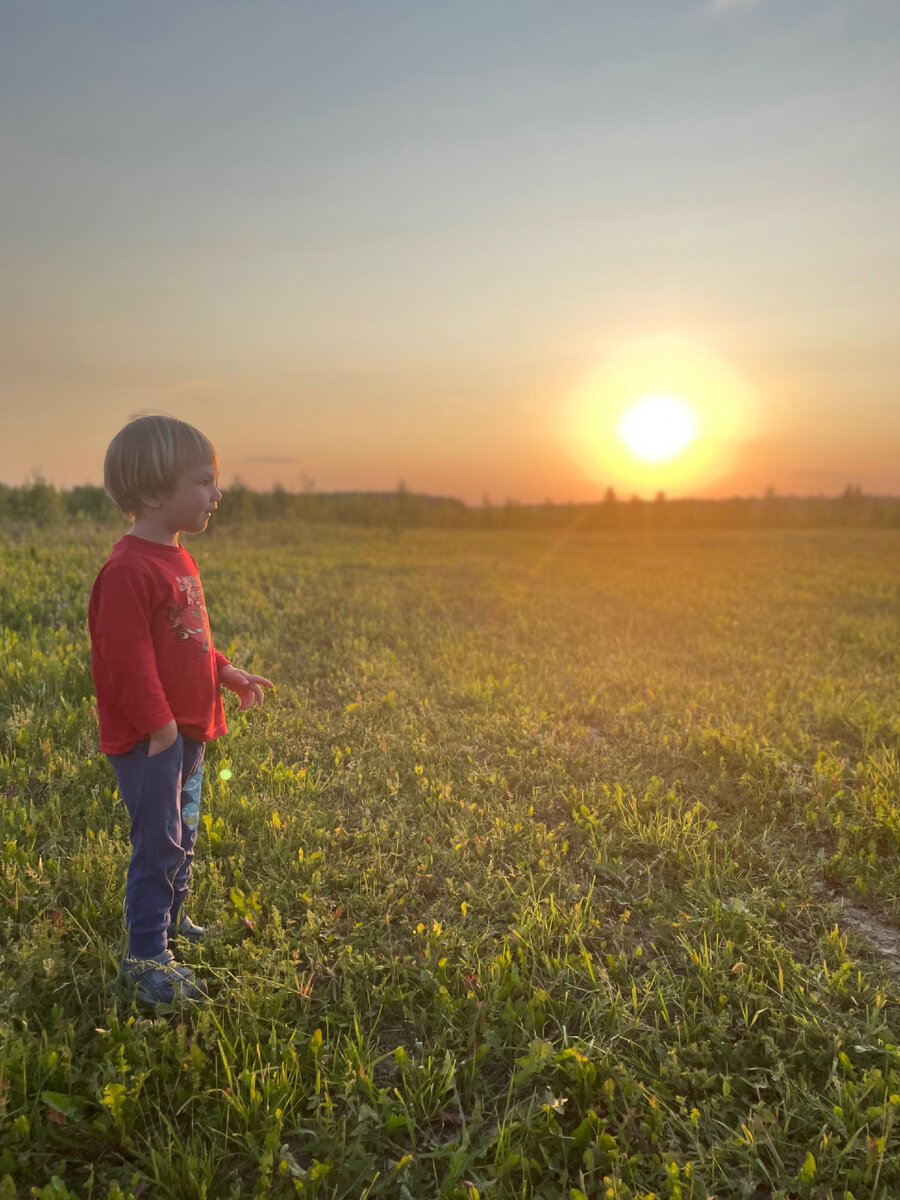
(162, 739)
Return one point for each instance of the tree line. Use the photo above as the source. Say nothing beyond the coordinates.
(40, 503)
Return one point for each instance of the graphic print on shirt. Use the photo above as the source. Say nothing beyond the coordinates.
(192, 621)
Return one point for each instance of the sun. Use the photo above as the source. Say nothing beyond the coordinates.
(658, 415)
(656, 428)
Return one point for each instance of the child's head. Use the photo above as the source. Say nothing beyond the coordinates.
(146, 458)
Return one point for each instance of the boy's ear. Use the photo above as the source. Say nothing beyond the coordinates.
(150, 502)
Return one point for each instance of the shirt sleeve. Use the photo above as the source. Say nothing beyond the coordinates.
(126, 649)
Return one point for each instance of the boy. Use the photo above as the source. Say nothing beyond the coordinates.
(157, 678)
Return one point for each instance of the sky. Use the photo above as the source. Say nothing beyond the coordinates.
(452, 244)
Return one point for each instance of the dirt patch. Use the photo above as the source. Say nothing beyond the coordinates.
(882, 937)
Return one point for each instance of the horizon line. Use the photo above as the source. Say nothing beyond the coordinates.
(610, 496)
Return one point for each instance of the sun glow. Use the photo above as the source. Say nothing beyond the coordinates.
(660, 414)
(657, 428)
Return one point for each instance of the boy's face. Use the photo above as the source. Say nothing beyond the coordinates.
(192, 501)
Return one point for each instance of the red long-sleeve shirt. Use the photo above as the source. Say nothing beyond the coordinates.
(151, 650)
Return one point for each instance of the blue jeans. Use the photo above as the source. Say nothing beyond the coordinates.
(162, 795)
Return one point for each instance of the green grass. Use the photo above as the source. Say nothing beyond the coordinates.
(526, 879)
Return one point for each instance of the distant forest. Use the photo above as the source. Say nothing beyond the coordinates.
(40, 503)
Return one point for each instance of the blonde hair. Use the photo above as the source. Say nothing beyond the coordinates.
(147, 456)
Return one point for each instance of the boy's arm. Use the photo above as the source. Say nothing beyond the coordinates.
(126, 651)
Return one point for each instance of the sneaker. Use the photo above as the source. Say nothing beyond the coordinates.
(185, 927)
(160, 980)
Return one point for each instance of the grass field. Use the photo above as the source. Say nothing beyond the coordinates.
(546, 871)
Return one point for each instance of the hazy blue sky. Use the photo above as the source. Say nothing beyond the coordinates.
(363, 242)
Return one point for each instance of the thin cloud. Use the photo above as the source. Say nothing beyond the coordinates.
(198, 386)
(723, 6)
(275, 459)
